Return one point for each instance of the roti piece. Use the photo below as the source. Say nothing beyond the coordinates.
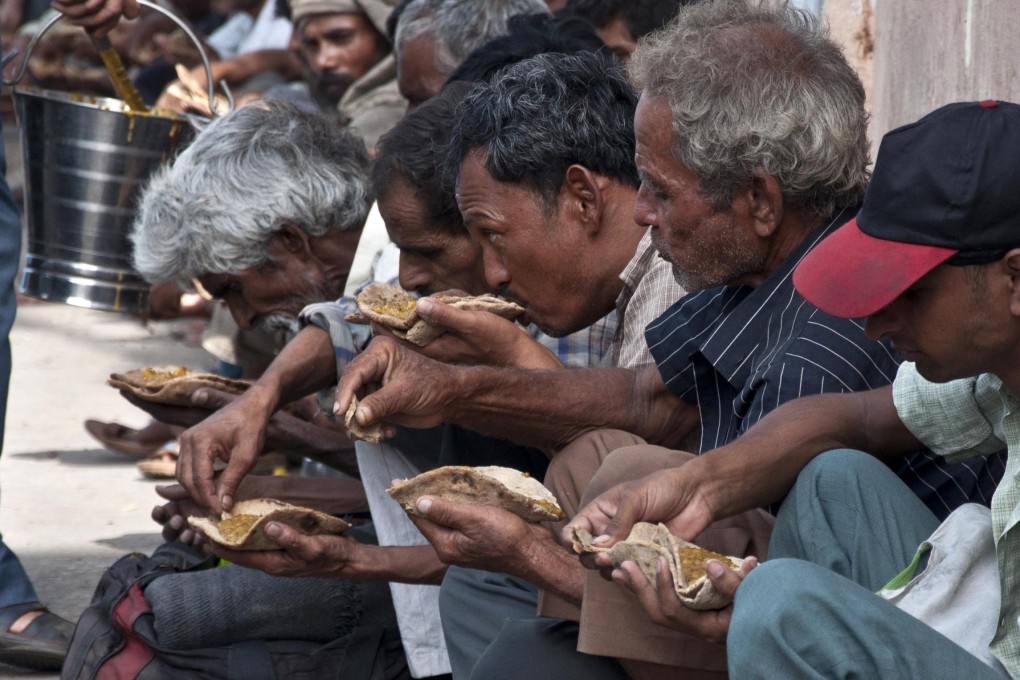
(243, 528)
(372, 433)
(396, 309)
(389, 305)
(646, 543)
(172, 385)
(492, 485)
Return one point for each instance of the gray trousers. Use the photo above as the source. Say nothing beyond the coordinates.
(847, 528)
(492, 632)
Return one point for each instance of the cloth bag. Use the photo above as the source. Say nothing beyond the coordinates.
(957, 592)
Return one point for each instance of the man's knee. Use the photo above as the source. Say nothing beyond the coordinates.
(630, 463)
(572, 469)
(786, 610)
(841, 469)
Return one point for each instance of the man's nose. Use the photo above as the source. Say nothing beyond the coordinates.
(412, 277)
(243, 315)
(496, 274)
(643, 212)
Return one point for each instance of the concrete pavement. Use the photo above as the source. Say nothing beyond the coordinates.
(68, 507)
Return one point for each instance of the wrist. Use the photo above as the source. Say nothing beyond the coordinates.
(263, 398)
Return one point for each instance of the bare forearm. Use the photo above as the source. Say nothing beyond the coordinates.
(761, 466)
(553, 568)
(333, 495)
(300, 438)
(551, 408)
(305, 365)
(402, 564)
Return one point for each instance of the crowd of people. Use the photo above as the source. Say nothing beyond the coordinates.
(735, 324)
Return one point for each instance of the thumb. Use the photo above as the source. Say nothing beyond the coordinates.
(229, 480)
(210, 398)
(621, 521)
(433, 311)
(437, 510)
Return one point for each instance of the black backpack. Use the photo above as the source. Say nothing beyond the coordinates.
(115, 639)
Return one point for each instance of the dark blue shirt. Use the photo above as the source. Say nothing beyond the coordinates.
(737, 353)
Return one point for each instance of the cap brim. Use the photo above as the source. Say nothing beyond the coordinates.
(851, 274)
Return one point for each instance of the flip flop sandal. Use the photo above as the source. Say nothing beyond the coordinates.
(42, 645)
(120, 440)
(163, 463)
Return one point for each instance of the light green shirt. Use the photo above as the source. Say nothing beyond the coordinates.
(970, 417)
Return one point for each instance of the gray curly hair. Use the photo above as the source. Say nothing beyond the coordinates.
(752, 89)
(214, 210)
(460, 26)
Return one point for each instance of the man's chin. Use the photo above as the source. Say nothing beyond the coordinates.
(328, 94)
(273, 323)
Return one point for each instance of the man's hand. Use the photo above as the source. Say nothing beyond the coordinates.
(478, 536)
(401, 385)
(476, 337)
(664, 607)
(670, 496)
(173, 515)
(205, 402)
(235, 435)
(302, 555)
(97, 16)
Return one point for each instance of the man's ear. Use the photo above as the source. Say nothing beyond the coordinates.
(583, 193)
(764, 200)
(290, 239)
(1012, 263)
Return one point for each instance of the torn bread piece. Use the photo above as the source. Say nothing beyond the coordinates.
(371, 433)
(646, 543)
(172, 385)
(243, 528)
(396, 309)
(499, 487)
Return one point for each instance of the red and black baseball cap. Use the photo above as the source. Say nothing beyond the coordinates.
(945, 189)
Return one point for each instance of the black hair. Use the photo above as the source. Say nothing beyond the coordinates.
(640, 16)
(414, 150)
(529, 34)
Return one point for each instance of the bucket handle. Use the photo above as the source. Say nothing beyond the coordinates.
(145, 3)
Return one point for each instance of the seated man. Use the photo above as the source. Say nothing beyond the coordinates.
(278, 246)
(600, 226)
(421, 216)
(932, 260)
(343, 45)
(733, 214)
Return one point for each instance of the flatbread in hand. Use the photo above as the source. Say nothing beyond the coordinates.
(646, 543)
(370, 433)
(243, 528)
(172, 385)
(492, 485)
(395, 308)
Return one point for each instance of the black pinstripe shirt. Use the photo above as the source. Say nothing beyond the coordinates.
(738, 352)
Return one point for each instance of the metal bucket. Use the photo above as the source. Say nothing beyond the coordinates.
(86, 160)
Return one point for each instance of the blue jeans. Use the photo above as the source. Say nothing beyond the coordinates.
(15, 588)
(847, 528)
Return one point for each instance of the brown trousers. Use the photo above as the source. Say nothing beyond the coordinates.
(612, 621)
